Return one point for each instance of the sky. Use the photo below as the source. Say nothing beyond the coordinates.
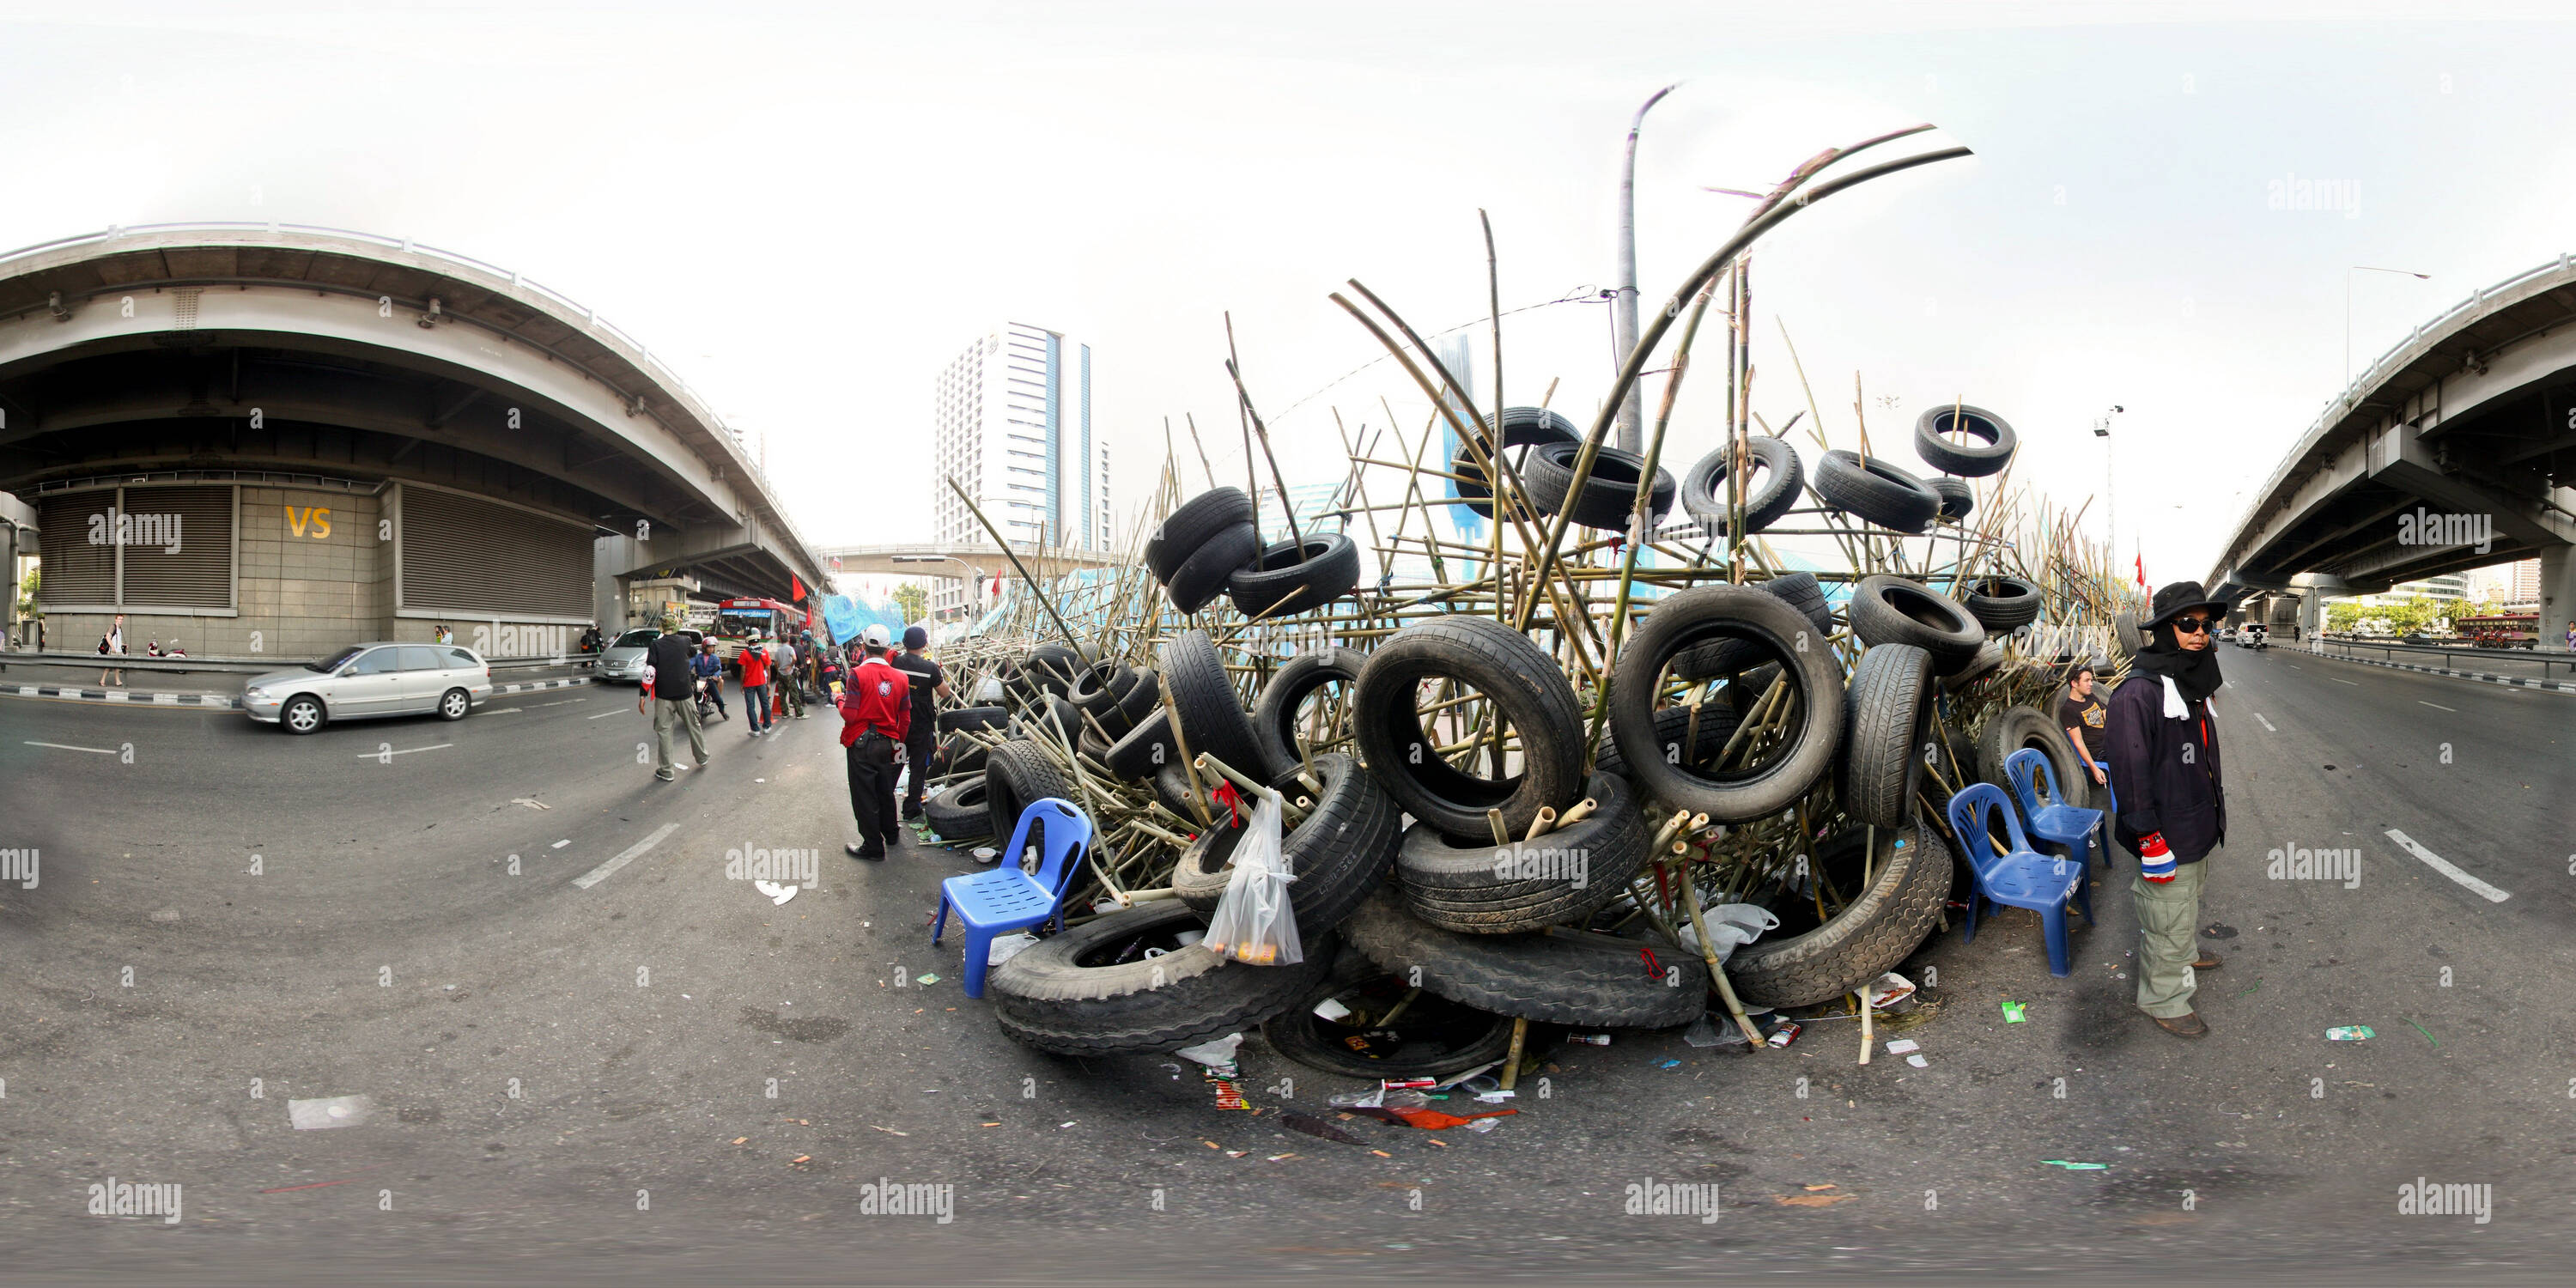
(808, 210)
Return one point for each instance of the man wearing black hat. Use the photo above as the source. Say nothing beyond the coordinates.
(928, 685)
(2173, 809)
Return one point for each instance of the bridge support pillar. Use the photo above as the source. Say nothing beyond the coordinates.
(2312, 614)
(2557, 594)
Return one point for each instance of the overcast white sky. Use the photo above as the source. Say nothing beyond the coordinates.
(808, 209)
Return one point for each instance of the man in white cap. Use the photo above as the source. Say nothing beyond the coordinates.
(876, 713)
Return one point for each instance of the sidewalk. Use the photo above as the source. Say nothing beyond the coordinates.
(2485, 677)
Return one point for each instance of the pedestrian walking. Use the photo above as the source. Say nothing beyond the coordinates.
(2173, 806)
(2571, 637)
(929, 684)
(755, 685)
(2082, 713)
(673, 684)
(112, 644)
(876, 716)
(709, 670)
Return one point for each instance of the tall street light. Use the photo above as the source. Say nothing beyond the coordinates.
(2110, 506)
(1623, 314)
(2347, 309)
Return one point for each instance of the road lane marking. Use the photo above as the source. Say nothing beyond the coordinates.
(2446, 868)
(59, 746)
(604, 871)
(2266, 723)
(377, 755)
(504, 711)
(564, 703)
(2437, 706)
(2340, 680)
(601, 716)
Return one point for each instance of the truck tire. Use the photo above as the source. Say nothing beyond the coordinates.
(965, 755)
(1887, 723)
(1862, 942)
(1516, 676)
(1887, 609)
(1071, 995)
(1876, 491)
(1977, 462)
(1337, 856)
(1694, 617)
(1781, 479)
(1596, 981)
(1458, 888)
(1274, 716)
(1186, 529)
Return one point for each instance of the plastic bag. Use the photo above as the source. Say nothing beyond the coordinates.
(1731, 926)
(1253, 922)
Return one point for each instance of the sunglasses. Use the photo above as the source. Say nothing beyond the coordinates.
(2191, 625)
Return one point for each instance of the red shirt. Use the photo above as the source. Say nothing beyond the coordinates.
(877, 697)
(755, 666)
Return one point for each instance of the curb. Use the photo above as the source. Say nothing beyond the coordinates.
(2509, 681)
(222, 701)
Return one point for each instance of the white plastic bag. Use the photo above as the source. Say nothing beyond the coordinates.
(1253, 922)
(1731, 926)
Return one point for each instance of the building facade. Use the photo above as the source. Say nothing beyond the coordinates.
(1012, 424)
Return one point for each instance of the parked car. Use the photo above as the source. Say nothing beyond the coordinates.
(377, 678)
(623, 660)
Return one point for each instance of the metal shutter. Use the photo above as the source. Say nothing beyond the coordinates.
(468, 556)
(76, 572)
(200, 574)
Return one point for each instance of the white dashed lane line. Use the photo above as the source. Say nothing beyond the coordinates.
(2447, 868)
(95, 751)
(2266, 723)
(602, 715)
(604, 871)
(2437, 706)
(375, 755)
(2340, 680)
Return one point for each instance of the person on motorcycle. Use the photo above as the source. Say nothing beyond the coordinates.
(710, 672)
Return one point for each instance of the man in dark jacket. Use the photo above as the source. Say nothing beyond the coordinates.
(2173, 807)
(674, 696)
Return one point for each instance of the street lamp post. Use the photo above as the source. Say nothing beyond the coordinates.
(2347, 310)
(974, 575)
(2110, 478)
(1624, 313)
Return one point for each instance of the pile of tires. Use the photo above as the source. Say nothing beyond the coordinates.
(1210, 547)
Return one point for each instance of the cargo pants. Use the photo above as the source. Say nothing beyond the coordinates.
(2168, 939)
(666, 713)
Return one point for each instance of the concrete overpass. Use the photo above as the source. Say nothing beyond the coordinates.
(358, 368)
(962, 561)
(2465, 429)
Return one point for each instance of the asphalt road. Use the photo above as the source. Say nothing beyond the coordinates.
(386, 948)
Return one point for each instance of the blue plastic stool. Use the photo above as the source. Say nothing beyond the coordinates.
(2020, 879)
(2071, 826)
(1008, 899)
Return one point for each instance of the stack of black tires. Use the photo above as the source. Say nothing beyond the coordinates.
(1209, 547)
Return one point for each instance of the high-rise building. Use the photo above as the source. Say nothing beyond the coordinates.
(1012, 424)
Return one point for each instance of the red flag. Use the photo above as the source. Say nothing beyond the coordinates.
(2142, 570)
(795, 590)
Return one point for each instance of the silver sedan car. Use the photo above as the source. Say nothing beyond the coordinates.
(622, 662)
(379, 678)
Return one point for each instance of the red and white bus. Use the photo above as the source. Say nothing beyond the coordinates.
(738, 619)
(2504, 630)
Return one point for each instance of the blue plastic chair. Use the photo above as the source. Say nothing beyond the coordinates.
(2071, 826)
(2020, 879)
(1009, 899)
(2107, 793)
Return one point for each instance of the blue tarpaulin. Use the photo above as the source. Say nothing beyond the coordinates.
(848, 616)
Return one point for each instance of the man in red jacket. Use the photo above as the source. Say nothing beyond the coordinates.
(755, 682)
(876, 712)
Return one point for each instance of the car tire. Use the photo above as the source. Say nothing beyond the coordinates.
(1782, 478)
(1101, 691)
(1336, 857)
(1957, 498)
(2014, 728)
(1887, 609)
(1876, 492)
(1186, 529)
(455, 704)
(1050, 669)
(2002, 603)
(1018, 774)
(1988, 660)
(1887, 721)
(965, 755)
(1609, 494)
(1865, 940)
(1717, 722)
(1596, 981)
(1474, 1038)
(1204, 575)
(1274, 714)
(973, 718)
(1144, 749)
(1211, 715)
(1057, 995)
(1171, 786)
(1967, 462)
(1456, 887)
(1287, 578)
(961, 813)
(1522, 427)
(1800, 590)
(1516, 676)
(1687, 619)
(303, 714)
